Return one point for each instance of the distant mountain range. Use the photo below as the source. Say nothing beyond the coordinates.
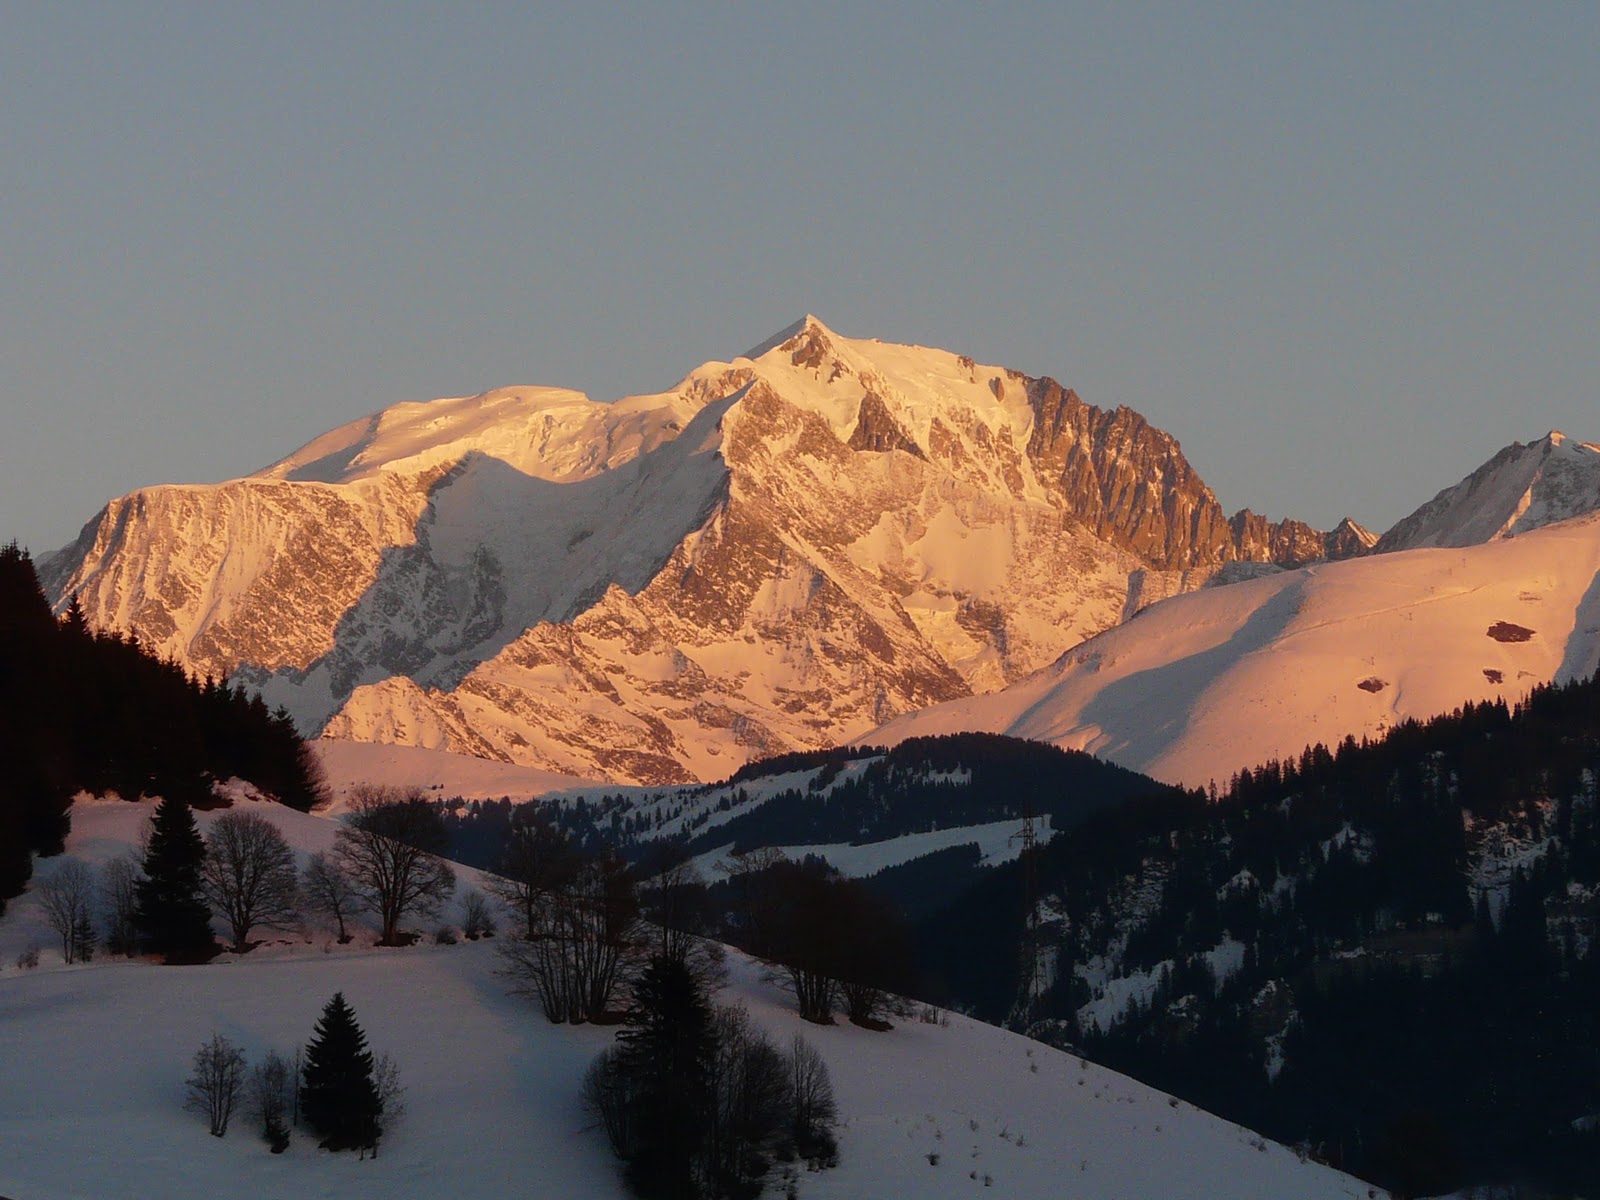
(791, 549)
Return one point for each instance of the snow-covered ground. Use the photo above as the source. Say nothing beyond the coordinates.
(93, 1059)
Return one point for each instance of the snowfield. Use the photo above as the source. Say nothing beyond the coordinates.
(93, 1059)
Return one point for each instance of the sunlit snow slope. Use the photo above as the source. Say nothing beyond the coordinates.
(95, 1057)
(1200, 686)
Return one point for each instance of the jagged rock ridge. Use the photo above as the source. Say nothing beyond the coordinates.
(782, 552)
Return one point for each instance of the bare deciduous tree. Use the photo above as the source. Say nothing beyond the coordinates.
(389, 846)
(269, 1099)
(249, 875)
(584, 934)
(67, 897)
(328, 890)
(537, 860)
(216, 1083)
(815, 1112)
(750, 876)
(119, 895)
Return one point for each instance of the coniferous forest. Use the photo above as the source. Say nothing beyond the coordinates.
(1387, 954)
(92, 711)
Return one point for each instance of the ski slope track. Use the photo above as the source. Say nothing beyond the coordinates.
(96, 1054)
(1201, 686)
(782, 552)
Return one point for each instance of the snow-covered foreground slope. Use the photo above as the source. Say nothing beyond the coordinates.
(1203, 685)
(94, 1059)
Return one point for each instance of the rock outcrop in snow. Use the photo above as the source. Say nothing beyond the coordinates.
(782, 552)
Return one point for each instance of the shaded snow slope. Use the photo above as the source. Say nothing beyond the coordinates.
(1202, 685)
(95, 1058)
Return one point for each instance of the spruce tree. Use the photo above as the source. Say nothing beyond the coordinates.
(665, 1050)
(338, 1094)
(169, 913)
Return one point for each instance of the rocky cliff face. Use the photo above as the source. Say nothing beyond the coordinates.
(783, 552)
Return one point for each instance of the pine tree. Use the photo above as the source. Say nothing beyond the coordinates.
(666, 1050)
(338, 1094)
(169, 913)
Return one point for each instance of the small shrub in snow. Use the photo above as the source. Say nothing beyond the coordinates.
(28, 959)
(477, 917)
(269, 1099)
(444, 936)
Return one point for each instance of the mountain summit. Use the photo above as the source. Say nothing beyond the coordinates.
(781, 552)
(1519, 489)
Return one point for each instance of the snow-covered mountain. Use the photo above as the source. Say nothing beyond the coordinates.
(1520, 488)
(96, 1054)
(782, 552)
(1202, 685)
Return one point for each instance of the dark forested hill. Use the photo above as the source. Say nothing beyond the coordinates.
(87, 711)
(1386, 952)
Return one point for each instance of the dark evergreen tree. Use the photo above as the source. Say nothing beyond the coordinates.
(169, 913)
(35, 785)
(338, 1093)
(666, 1051)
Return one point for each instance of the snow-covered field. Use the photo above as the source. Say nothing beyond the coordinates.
(93, 1058)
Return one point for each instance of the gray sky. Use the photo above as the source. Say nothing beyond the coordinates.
(1342, 252)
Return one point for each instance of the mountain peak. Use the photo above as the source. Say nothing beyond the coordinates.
(788, 333)
(1521, 488)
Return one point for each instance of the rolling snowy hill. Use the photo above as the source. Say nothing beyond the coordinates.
(95, 1056)
(780, 553)
(1203, 685)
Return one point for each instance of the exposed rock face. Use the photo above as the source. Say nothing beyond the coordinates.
(782, 552)
(1129, 483)
(1348, 539)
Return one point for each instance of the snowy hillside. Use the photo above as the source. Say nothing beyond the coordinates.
(1202, 685)
(95, 1056)
(780, 553)
(345, 763)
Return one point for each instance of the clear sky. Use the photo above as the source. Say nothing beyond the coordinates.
(1343, 252)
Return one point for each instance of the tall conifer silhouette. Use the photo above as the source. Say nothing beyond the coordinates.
(338, 1094)
(169, 912)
